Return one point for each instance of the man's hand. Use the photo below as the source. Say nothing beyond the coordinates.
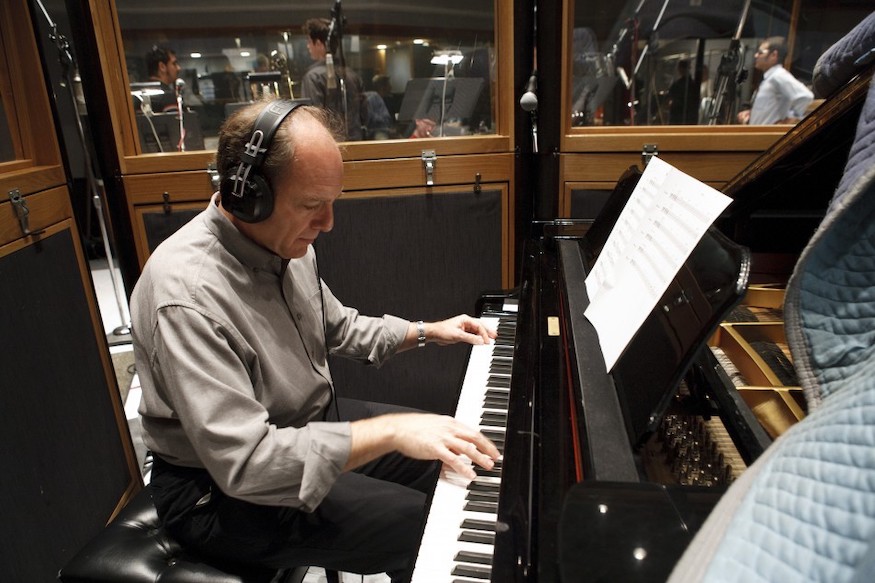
(462, 328)
(423, 436)
(423, 128)
(743, 116)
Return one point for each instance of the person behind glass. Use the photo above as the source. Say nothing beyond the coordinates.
(255, 458)
(381, 120)
(162, 66)
(780, 97)
(683, 95)
(316, 80)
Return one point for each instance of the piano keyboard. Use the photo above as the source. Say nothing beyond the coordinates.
(458, 538)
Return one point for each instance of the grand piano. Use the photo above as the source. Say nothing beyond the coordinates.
(607, 477)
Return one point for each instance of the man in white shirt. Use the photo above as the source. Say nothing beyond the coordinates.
(780, 98)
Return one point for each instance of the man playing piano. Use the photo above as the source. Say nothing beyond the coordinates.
(255, 458)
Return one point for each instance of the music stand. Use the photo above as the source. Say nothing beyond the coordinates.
(159, 132)
(424, 97)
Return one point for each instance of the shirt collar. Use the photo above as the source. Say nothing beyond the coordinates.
(772, 70)
(244, 249)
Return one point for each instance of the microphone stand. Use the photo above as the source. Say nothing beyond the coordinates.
(68, 65)
(337, 30)
(653, 39)
(628, 83)
(730, 69)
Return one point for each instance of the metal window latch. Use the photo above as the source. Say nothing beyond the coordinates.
(22, 212)
(429, 162)
(215, 179)
(648, 152)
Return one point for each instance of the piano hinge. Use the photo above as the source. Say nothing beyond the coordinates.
(22, 212)
(215, 179)
(648, 152)
(429, 162)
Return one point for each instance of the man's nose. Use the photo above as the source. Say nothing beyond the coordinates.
(325, 219)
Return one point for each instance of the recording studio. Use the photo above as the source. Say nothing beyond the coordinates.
(664, 208)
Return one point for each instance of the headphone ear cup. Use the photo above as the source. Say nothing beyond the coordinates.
(256, 202)
(257, 199)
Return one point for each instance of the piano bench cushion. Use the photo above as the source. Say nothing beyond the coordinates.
(134, 548)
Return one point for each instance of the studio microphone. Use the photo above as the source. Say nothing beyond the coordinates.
(529, 100)
(180, 85)
(330, 79)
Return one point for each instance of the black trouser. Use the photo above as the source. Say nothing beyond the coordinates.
(370, 521)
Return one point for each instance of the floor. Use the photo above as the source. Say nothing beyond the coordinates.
(116, 320)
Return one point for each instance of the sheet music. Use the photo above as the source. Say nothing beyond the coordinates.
(659, 227)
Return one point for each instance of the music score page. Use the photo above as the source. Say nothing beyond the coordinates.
(661, 224)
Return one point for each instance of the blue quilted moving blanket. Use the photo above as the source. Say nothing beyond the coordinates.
(805, 511)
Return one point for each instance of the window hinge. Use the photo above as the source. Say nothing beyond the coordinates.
(22, 212)
(648, 152)
(429, 162)
(215, 179)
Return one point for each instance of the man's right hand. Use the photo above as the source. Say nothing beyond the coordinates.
(423, 436)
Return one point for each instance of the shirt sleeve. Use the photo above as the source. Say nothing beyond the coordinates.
(799, 98)
(207, 371)
(313, 86)
(367, 339)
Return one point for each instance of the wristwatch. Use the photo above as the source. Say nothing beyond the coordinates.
(420, 329)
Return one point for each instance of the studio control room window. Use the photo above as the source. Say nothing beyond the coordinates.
(699, 62)
(398, 70)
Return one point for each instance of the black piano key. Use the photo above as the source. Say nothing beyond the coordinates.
(502, 350)
(472, 557)
(488, 507)
(482, 496)
(496, 381)
(476, 486)
(472, 571)
(493, 416)
(498, 393)
(473, 536)
(495, 403)
(487, 473)
(493, 434)
(474, 524)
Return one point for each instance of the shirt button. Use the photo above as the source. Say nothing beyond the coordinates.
(298, 315)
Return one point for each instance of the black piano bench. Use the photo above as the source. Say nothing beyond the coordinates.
(134, 548)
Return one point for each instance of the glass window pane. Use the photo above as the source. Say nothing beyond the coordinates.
(699, 62)
(403, 63)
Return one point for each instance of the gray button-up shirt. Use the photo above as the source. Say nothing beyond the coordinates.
(230, 352)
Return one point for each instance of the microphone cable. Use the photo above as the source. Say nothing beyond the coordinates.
(325, 343)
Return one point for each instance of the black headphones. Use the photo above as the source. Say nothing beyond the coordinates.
(246, 193)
